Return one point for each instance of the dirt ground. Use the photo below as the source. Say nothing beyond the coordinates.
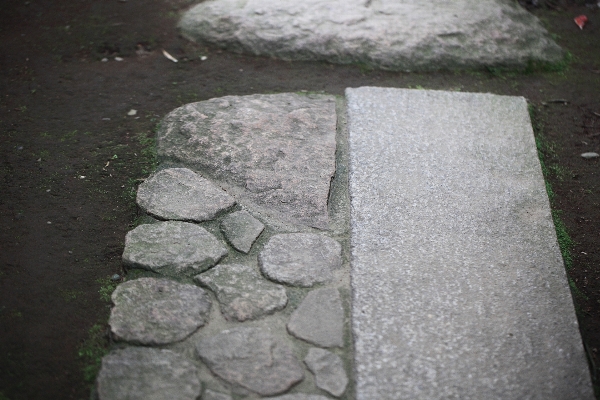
(71, 156)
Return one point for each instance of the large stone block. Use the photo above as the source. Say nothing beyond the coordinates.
(459, 288)
(278, 150)
(388, 34)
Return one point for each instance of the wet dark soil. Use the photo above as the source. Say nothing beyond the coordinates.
(70, 156)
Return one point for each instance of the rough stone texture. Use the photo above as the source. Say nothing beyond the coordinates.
(328, 370)
(278, 150)
(319, 319)
(299, 396)
(459, 289)
(388, 34)
(147, 374)
(252, 358)
(242, 292)
(212, 395)
(300, 259)
(172, 248)
(181, 194)
(153, 311)
(241, 230)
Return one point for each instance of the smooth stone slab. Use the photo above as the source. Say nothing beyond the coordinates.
(212, 395)
(300, 259)
(252, 358)
(242, 292)
(172, 248)
(151, 311)
(459, 288)
(181, 194)
(278, 150)
(387, 34)
(241, 230)
(328, 370)
(319, 319)
(141, 373)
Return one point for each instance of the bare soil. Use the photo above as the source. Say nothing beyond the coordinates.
(70, 156)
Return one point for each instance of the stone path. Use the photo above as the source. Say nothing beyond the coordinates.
(459, 288)
(239, 287)
(386, 34)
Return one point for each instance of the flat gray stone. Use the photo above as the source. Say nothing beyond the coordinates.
(319, 319)
(299, 396)
(153, 311)
(459, 288)
(172, 248)
(241, 230)
(242, 292)
(181, 194)
(387, 34)
(252, 358)
(212, 395)
(141, 373)
(328, 370)
(300, 259)
(278, 150)
(590, 155)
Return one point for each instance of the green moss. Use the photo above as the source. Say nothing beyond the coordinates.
(558, 67)
(92, 350)
(107, 286)
(564, 240)
(551, 169)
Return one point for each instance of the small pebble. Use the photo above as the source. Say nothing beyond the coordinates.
(132, 112)
(115, 277)
(118, 59)
(590, 155)
(19, 147)
(81, 176)
(49, 223)
(203, 58)
(104, 59)
(47, 190)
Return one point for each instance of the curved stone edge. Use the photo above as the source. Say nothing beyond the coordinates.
(241, 30)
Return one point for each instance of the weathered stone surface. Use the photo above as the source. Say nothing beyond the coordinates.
(147, 374)
(459, 288)
(319, 319)
(241, 230)
(278, 150)
(172, 248)
(328, 370)
(153, 311)
(242, 292)
(212, 395)
(299, 396)
(300, 259)
(388, 34)
(252, 358)
(181, 194)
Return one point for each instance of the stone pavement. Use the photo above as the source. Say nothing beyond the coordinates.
(384, 34)
(459, 289)
(268, 269)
